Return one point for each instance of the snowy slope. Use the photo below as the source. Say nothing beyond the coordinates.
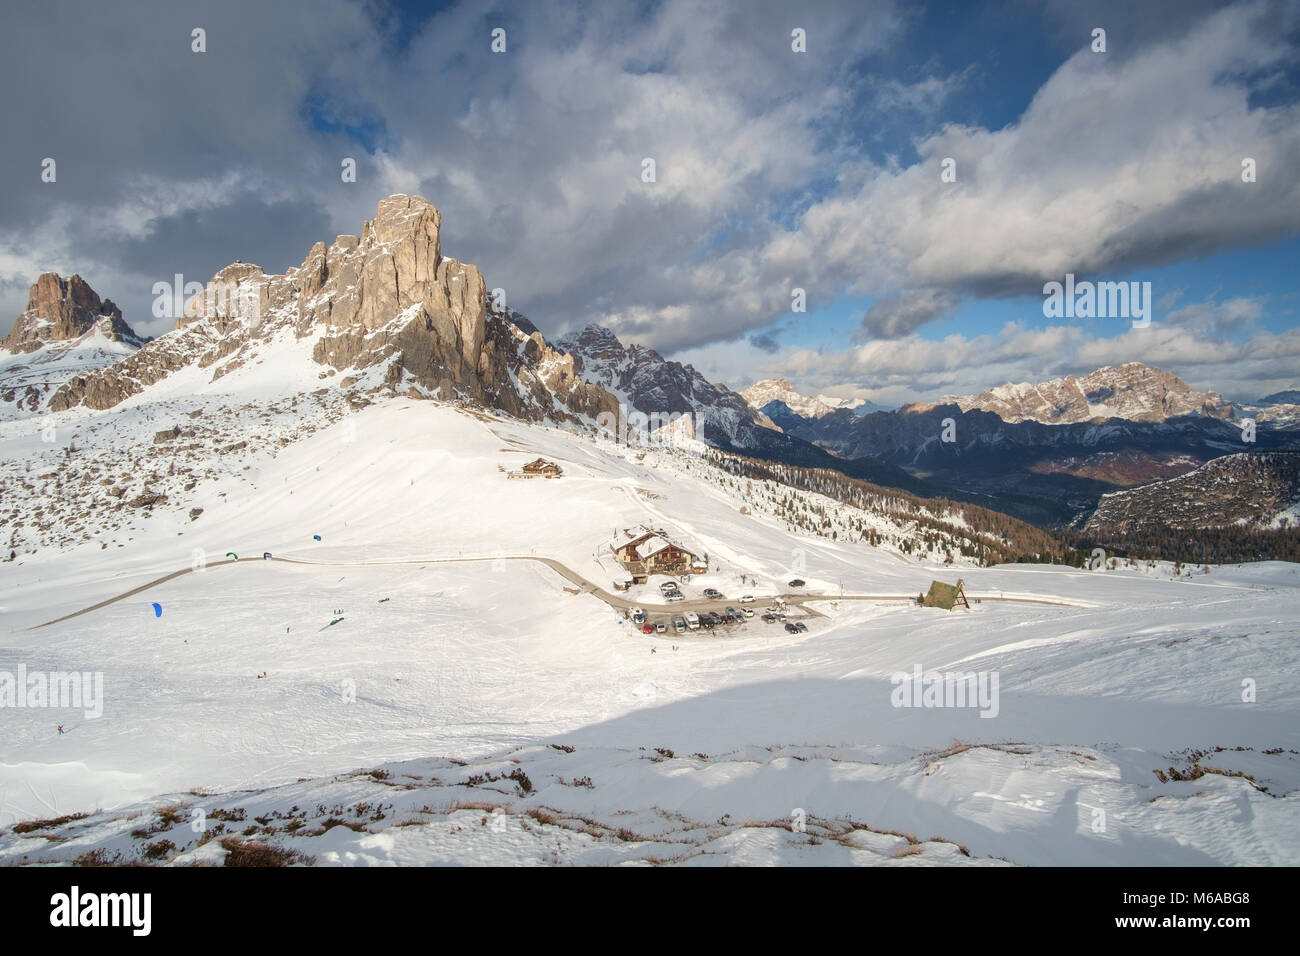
(49, 366)
(480, 655)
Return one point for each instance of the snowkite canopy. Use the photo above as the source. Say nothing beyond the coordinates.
(316, 537)
(266, 555)
(231, 554)
(157, 609)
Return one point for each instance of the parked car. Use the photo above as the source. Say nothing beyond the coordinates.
(647, 628)
(733, 612)
(798, 583)
(692, 620)
(748, 612)
(769, 618)
(667, 586)
(661, 627)
(713, 594)
(747, 599)
(679, 625)
(803, 628)
(790, 628)
(706, 623)
(674, 596)
(638, 616)
(715, 617)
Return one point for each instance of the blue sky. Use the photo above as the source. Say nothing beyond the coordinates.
(775, 170)
(1266, 272)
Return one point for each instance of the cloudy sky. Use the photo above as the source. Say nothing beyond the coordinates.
(775, 170)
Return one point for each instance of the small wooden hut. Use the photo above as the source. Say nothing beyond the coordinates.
(946, 596)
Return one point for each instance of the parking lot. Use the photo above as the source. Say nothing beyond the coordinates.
(707, 612)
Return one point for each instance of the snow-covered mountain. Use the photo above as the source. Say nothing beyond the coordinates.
(645, 381)
(1283, 415)
(1132, 391)
(764, 393)
(383, 311)
(66, 330)
(1288, 396)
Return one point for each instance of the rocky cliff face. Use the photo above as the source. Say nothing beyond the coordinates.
(60, 310)
(1132, 391)
(385, 310)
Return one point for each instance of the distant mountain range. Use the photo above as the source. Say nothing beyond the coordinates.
(1047, 452)
(1133, 391)
(761, 394)
(641, 379)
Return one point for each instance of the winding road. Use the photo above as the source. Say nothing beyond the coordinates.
(583, 584)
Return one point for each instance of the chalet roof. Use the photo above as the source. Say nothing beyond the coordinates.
(540, 464)
(644, 543)
(631, 536)
(651, 546)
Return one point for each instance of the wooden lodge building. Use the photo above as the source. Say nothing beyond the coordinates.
(947, 596)
(644, 552)
(538, 468)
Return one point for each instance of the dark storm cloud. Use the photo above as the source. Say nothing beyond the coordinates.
(901, 314)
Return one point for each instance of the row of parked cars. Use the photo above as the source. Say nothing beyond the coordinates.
(691, 621)
(707, 620)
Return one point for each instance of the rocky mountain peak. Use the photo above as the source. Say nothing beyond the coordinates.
(383, 310)
(1132, 391)
(59, 310)
(594, 342)
(762, 394)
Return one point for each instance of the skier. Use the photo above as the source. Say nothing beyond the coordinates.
(61, 730)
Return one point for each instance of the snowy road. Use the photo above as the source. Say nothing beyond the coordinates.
(587, 587)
